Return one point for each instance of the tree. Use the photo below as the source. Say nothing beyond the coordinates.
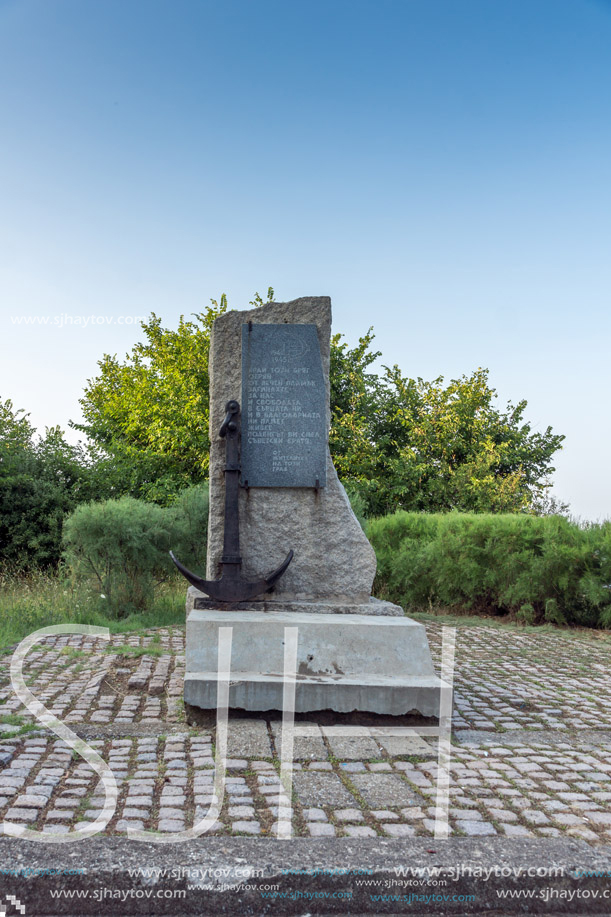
(410, 444)
(397, 443)
(41, 479)
(148, 416)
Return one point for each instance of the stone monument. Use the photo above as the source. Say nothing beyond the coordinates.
(269, 372)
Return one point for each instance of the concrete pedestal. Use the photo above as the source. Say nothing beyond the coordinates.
(345, 662)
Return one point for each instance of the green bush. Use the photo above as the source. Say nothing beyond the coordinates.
(120, 548)
(188, 517)
(358, 505)
(41, 479)
(544, 568)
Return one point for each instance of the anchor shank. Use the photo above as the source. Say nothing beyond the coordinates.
(231, 585)
(231, 536)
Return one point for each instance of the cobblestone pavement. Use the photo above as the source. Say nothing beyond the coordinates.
(531, 754)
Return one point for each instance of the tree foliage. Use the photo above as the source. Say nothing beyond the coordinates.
(428, 446)
(148, 415)
(397, 443)
(41, 479)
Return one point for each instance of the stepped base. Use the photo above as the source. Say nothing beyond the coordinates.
(374, 694)
(345, 662)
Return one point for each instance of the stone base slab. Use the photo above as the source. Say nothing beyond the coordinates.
(197, 599)
(374, 694)
(348, 662)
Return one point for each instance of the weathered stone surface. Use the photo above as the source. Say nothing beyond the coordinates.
(339, 661)
(384, 790)
(333, 560)
(321, 789)
(376, 607)
(249, 738)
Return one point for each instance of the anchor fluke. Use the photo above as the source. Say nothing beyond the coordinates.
(231, 585)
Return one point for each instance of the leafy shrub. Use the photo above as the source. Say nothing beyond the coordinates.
(358, 505)
(526, 614)
(188, 516)
(496, 564)
(41, 479)
(120, 548)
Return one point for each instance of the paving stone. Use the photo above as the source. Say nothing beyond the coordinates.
(140, 800)
(317, 829)
(352, 747)
(584, 833)
(129, 812)
(599, 818)
(9, 783)
(21, 814)
(533, 817)
(516, 831)
(178, 800)
(171, 824)
(383, 790)
(60, 814)
(241, 812)
(305, 748)
(321, 789)
(474, 828)
(399, 830)
(348, 815)
(281, 812)
(66, 802)
(127, 824)
(385, 815)
(29, 800)
(508, 679)
(248, 738)
(314, 815)
(247, 827)
(359, 831)
(465, 814)
(238, 790)
(170, 812)
(404, 745)
(503, 815)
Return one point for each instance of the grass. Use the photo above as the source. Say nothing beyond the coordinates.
(38, 600)
(15, 719)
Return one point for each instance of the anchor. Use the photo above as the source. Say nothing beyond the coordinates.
(231, 585)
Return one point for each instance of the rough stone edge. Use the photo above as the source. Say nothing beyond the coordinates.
(199, 600)
(107, 861)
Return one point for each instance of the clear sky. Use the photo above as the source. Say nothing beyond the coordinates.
(440, 168)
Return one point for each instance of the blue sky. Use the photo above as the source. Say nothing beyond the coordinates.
(440, 168)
